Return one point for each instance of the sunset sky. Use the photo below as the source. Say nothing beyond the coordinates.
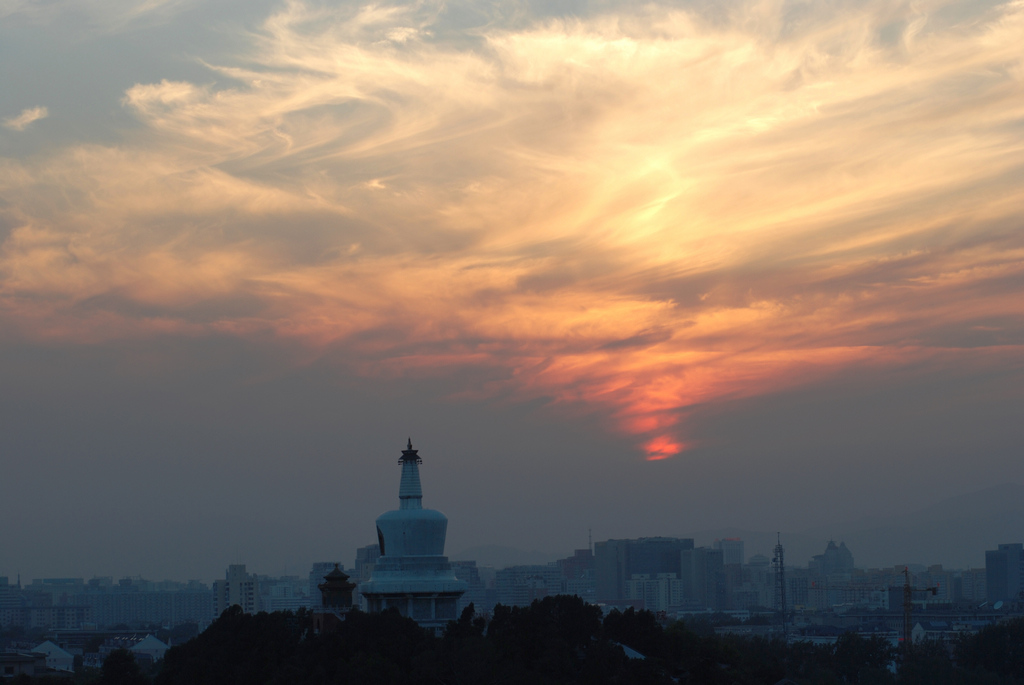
(644, 269)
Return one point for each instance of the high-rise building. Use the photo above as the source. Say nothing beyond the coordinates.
(940, 579)
(732, 551)
(412, 573)
(655, 594)
(703, 582)
(476, 593)
(973, 585)
(578, 565)
(611, 560)
(837, 559)
(756, 590)
(617, 561)
(287, 593)
(9, 594)
(520, 585)
(101, 602)
(578, 574)
(366, 558)
(135, 602)
(238, 587)
(1004, 572)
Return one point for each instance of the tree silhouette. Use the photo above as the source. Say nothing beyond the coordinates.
(120, 668)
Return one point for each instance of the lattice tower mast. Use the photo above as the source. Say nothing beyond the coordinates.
(779, 566)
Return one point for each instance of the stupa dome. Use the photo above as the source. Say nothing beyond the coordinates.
(411, 530)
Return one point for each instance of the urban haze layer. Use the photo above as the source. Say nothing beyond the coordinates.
(671, 576)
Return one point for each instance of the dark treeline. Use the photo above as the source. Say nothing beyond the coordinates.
(556, 640)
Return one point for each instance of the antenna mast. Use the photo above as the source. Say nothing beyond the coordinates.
(779, 566)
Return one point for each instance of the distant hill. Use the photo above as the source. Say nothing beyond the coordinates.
(499, 556)
(954, 532)
(800, 547)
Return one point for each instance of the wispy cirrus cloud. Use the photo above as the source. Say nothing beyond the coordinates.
(636, 212)
(104, 17)
(27, 116)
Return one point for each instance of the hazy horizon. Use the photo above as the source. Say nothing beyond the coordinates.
(800, 544)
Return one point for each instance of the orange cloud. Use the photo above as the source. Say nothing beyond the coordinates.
(635, 213)
(662, 447)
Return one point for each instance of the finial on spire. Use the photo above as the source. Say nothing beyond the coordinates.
(409, 454)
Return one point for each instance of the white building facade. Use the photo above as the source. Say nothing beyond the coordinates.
(238, 587)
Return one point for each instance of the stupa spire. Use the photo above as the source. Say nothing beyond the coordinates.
(410, 493)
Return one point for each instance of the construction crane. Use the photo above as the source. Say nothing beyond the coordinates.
(908, 605)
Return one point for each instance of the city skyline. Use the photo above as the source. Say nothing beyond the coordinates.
(662, 574)
(916, 545)
(648, 270)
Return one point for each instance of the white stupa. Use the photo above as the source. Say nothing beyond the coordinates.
(412, 573)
